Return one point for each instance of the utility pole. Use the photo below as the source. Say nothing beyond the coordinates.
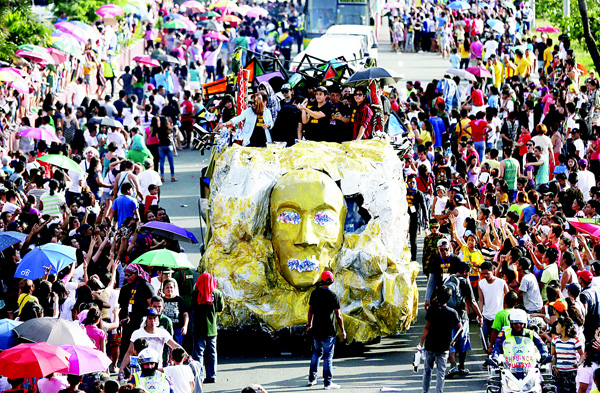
(566, 8)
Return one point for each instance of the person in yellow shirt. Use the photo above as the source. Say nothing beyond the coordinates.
(523, 65)
(531, 57)
(25, 289)
(509, 68)
(465, 53)
(548, 54)
(497, 71)
(468, 249)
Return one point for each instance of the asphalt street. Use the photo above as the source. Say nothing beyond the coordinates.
(282, 365)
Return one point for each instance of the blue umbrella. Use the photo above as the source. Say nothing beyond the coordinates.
(8, 338)
(9, 238)
(459, 5)
(55, 256)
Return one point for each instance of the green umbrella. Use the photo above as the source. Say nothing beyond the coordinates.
(164, 258)
(68, 48)
(510, 5)
(210, 14)
(33, 48)
(175, 24)
(61, 161)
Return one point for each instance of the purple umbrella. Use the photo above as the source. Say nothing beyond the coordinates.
(170, 231)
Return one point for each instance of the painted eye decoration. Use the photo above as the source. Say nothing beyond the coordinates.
(289, 218)
(323, 218)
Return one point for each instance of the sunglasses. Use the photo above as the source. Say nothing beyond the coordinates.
(443, 249)
(128, 274)
(358, 94)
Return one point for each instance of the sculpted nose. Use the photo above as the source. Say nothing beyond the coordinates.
(307, 236)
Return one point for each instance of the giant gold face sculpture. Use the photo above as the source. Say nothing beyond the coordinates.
(307, 219)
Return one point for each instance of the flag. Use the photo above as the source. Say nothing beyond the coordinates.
(330, 73)
(218, 86)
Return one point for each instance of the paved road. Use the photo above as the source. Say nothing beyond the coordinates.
(283, 366)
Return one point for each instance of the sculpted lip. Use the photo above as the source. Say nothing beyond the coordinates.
(304, 265)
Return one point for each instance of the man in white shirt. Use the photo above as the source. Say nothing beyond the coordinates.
(180, 374)
(147, 177)
(78, 93)
(490, 47)
(579, 146)
(114, 135)
(88, 153)
(585, 179)
(491, 294)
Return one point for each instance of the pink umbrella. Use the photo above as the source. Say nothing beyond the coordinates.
(548, 29)
(480, 72)
(191, 26)
(216, 36)
(109, 10)
(393, 4)
(58, 56)
(35, 57)
(20, 85)
(72, 30)
(194, 6)
(40, 133)
(84, 360)
(256, 12)
(592, 229)
(147, 60)
(14, 71)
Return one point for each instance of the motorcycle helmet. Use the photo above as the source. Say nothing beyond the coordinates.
(518, 316)
(148, 355)
(270, 27)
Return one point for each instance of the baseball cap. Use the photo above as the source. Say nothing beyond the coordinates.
(585, 275)
(286, 86)
(322, 89)
(443, 242)
(168, 270)
(151, 312)
(327, 277)
(440, 188)
(574, 288)
(148, 164)
(458, 198)
(583, 162)
(559, 305)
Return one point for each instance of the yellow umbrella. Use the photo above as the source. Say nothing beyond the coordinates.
(223, 4)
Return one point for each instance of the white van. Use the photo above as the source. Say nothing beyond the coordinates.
(328, 48)
(370, 48)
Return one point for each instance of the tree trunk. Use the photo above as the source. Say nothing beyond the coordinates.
(589, 38)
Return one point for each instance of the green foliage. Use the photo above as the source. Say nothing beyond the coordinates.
(552, 10)
(83, 10)
(18, 25)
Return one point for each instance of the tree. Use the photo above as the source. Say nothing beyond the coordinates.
(587, 34)
(18, 25)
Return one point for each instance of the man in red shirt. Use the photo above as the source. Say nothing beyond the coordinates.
(187, 121)
(479, 129)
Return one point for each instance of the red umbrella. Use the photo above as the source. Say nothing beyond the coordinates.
(548, 29)
(480, 72)
(591, 229)
(33, 360)
(147, 60)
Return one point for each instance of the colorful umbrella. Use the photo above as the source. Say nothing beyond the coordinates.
(40, 133)
(10, 238)
(62, 161)
(164, 258)
(591, 229)
(256, 12)
(216, 36)
(109, 10)
(20, 85)
(32, 48)
(33, 360)
(191, 26)
(54, 331)
(84, 360)
(462, 73)
(58, 55)
(35, 57)
(68, 47)
(459, 5)
(90, 31)
(211, 25)
(56, 256)
(147, 60)
(548, 29)
(223, 4)
(8, 76)
(210, 14)
(8, 339)
(170, 231)
(230, 19)
(582, 68)
(17, 71)
(480, 72)
(73, 30)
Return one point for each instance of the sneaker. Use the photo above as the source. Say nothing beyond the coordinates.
(463, 372)
(312, 383)
(332, 386)
(209, 380)
(452, 373)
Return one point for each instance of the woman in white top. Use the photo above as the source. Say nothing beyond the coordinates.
(439, 203)
(257, 123)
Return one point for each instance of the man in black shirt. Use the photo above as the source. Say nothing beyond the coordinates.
(340, 117)
(317, 117)
(439, 267)
(288, 125)
(437, 336)
(324, 309)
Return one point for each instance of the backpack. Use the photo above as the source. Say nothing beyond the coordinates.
(454, 284)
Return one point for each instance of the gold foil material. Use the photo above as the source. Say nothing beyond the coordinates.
(374, 277)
